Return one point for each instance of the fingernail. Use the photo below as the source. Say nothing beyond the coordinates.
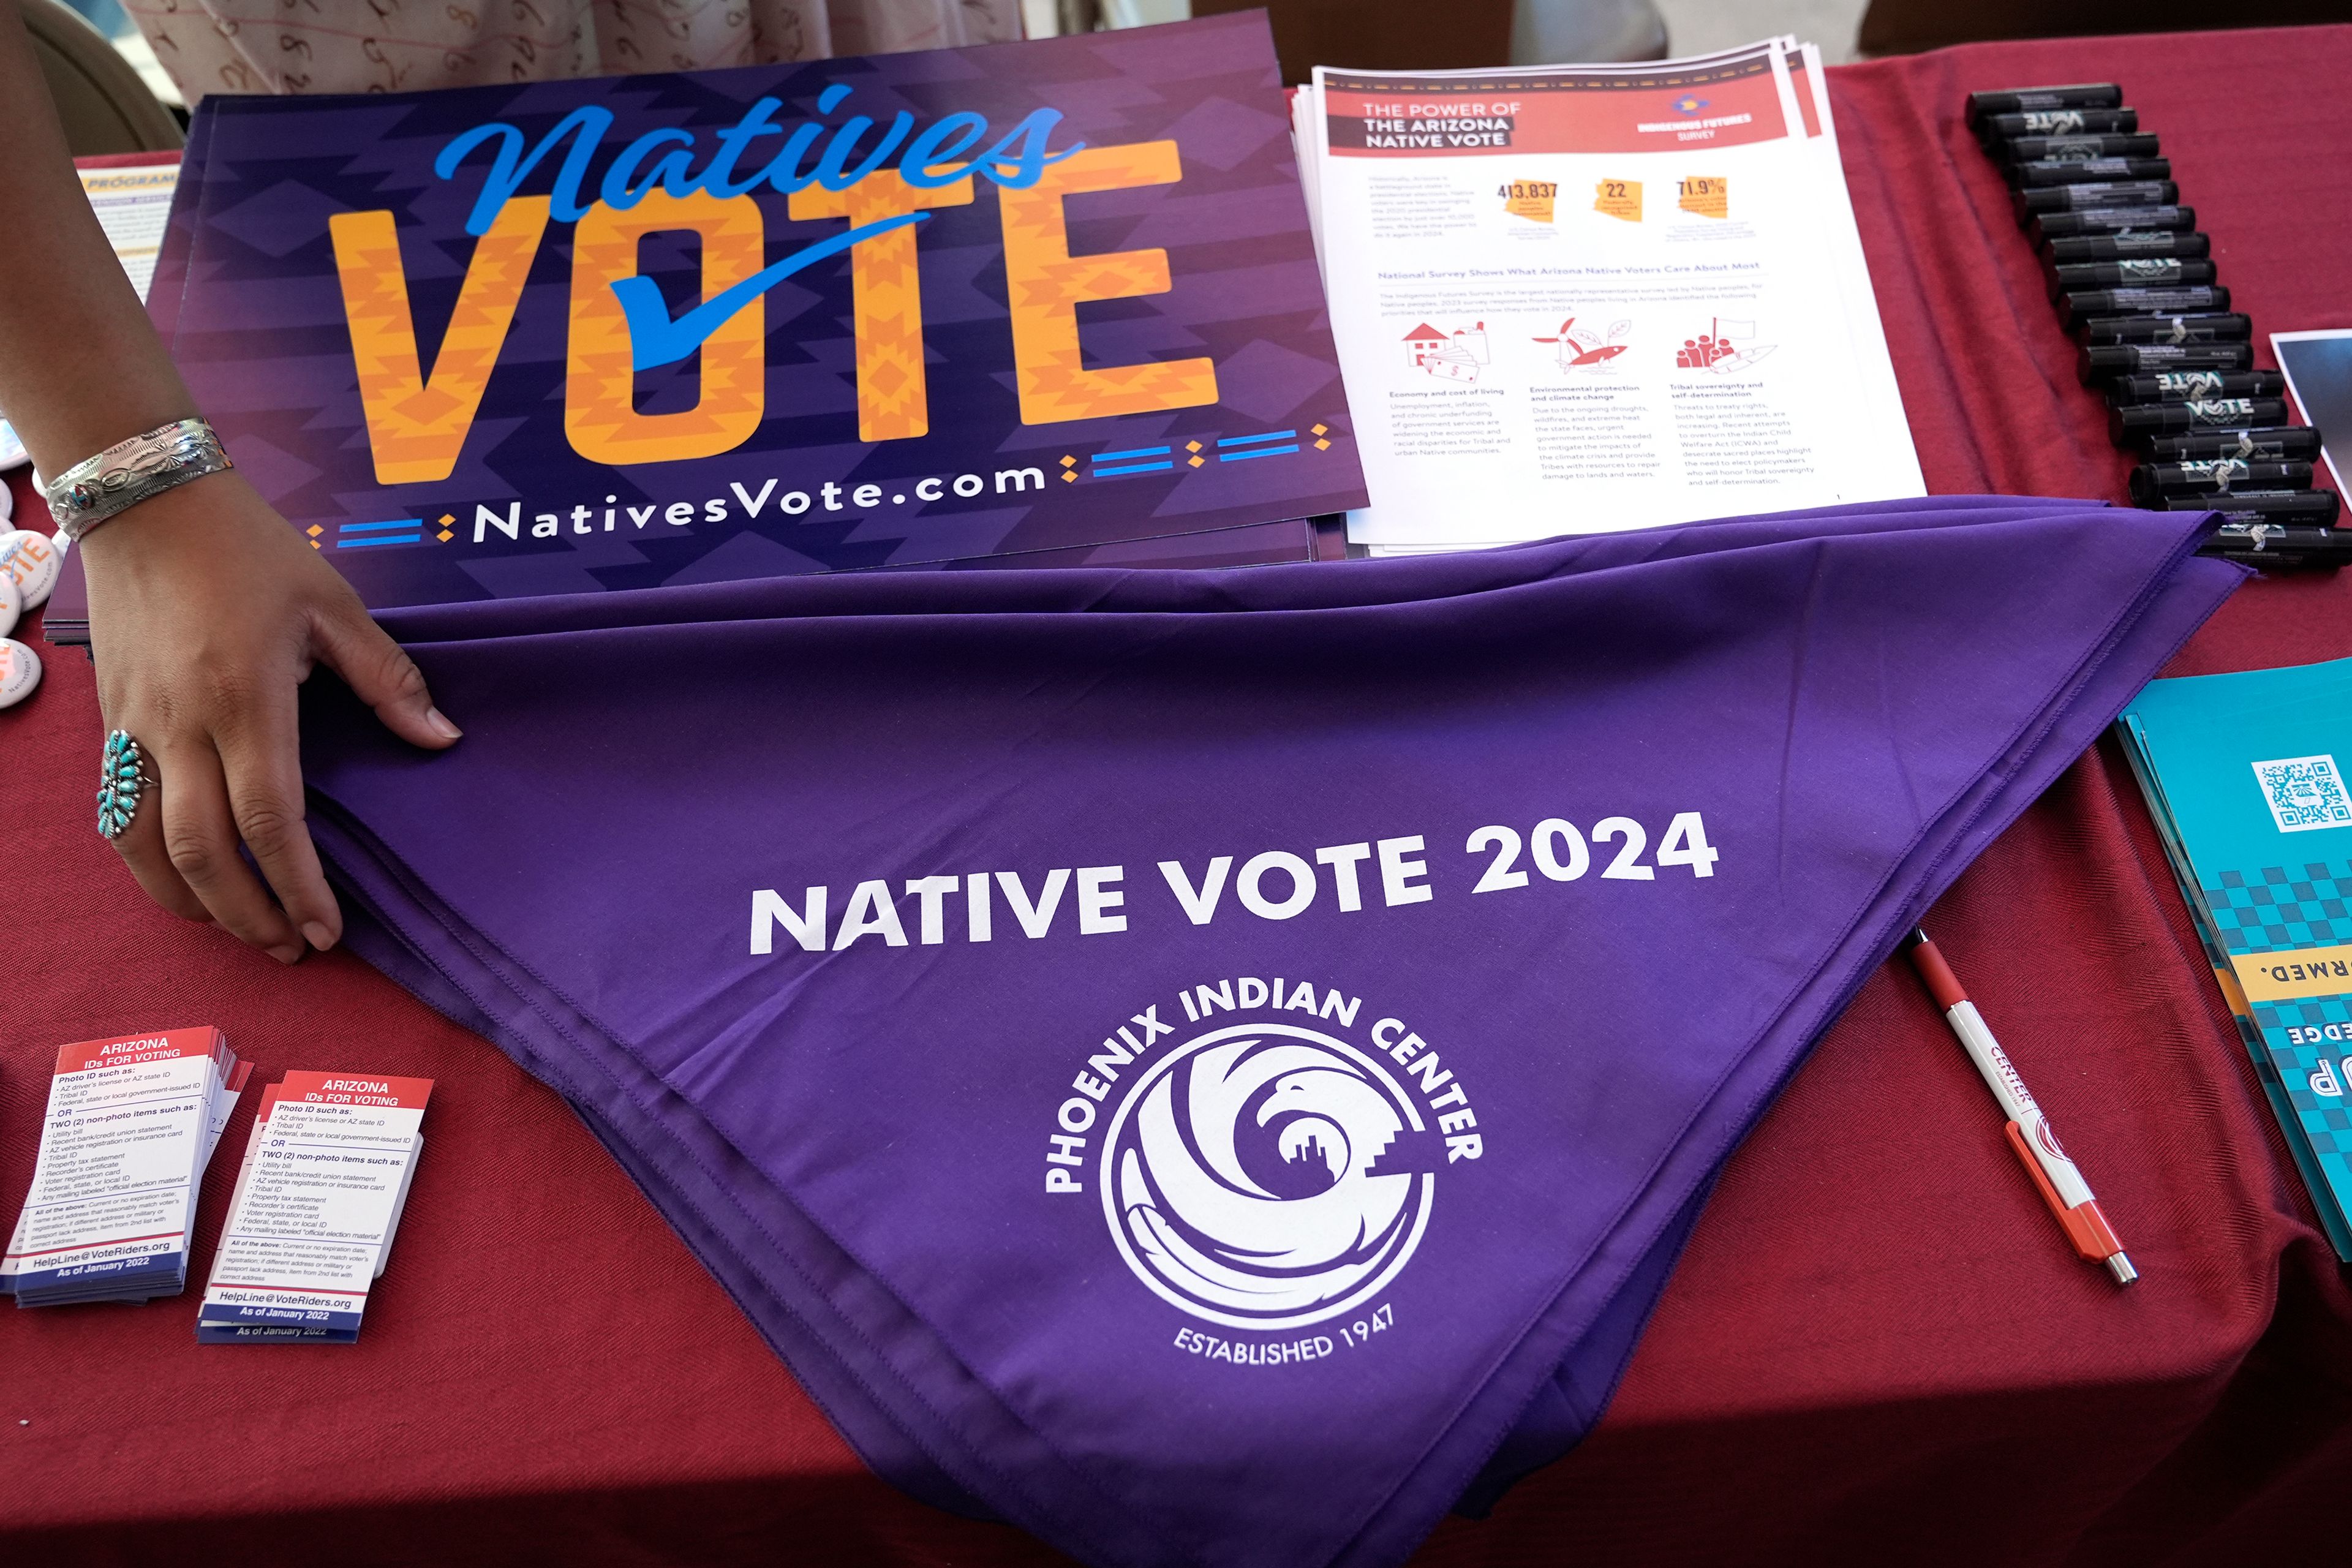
(288, 954)
(439, 723)
(318, 936)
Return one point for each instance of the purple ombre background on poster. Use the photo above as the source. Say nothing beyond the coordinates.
(260, 331)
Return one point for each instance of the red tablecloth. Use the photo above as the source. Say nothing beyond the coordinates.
(1878, 1348)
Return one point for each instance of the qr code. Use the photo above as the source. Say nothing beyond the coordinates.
(2304, 793)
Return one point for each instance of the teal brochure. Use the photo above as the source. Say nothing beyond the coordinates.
(2245, 774)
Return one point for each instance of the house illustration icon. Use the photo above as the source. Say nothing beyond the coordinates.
(1455, 358)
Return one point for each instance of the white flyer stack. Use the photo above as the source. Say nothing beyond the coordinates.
(132, 204)
(131, 1125)
(1578, 298)
(318, 1200)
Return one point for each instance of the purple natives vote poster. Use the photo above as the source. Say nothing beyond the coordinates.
(574, 336)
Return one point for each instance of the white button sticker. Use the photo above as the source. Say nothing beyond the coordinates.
(35, 562)
(20, 671)
(12, 450)
(11, 603)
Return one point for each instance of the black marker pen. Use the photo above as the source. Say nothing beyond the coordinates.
(2204, 326)
(2315, 508)
(2300, 442)
(2196, 385)
(2048, 228)
(2100, 361)
(2129, 425)
(2214, 478)
(2132, 272)
(2019, 99)
(2097, 195)
(2078, 303)
(2126, 245)
(2261, 542)
(1992, 128)
(2074, 148)
(2088, 171)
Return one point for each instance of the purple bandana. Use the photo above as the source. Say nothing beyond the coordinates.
(1214, 1068)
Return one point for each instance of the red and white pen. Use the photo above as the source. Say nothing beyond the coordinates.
(2060, 1184)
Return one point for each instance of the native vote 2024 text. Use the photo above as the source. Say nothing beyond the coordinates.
(1271, 885)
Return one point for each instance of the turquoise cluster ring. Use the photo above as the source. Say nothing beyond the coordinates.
(123, 783)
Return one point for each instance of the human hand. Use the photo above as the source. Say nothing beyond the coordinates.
(206, 610)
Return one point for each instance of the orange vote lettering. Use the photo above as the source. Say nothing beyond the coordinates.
(885, 298)
(418, 423)
(599, 411)
(1045, 283)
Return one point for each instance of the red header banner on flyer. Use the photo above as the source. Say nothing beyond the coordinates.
(1372, 116)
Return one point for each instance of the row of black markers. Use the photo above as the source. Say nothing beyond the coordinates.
(2134, 281)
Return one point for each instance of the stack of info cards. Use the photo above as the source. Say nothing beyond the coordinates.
(1038, 303)
(1582, 298)
(2244, 775)
(131, 1125)
(325, 1177)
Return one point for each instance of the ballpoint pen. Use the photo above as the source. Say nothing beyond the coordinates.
(2054, 1175)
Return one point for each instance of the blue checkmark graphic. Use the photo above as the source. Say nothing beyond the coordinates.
(654, 339)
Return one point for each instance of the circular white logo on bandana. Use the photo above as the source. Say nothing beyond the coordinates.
(1243, 1181)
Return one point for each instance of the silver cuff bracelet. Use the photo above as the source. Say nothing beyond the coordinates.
(130, 471)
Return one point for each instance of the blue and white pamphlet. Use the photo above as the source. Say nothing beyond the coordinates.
(2245, 774)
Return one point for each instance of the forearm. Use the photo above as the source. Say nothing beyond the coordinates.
(80, 366)
(206, 611)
